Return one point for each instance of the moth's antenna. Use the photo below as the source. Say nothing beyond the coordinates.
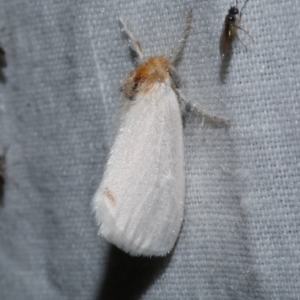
(177, 49)
(133, 43)
(244, 5)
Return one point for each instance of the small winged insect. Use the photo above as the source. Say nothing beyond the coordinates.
(230, 29)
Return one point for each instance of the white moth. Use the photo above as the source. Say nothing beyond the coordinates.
(139, 204)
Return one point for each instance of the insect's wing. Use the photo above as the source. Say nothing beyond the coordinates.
(226, 39)
(140, 202)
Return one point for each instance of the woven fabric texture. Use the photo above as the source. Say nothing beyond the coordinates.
(59, 97)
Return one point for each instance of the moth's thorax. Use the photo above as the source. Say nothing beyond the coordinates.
(145, 75)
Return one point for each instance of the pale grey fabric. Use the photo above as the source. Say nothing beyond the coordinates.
(58, 103)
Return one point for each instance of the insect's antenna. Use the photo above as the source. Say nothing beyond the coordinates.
(244, 5)
(177, 49)
(133, 42)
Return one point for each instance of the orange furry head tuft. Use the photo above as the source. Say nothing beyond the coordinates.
(141, 79)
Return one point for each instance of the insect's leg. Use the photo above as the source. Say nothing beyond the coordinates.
(241, 42)
(200, 111)
(245, 32)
